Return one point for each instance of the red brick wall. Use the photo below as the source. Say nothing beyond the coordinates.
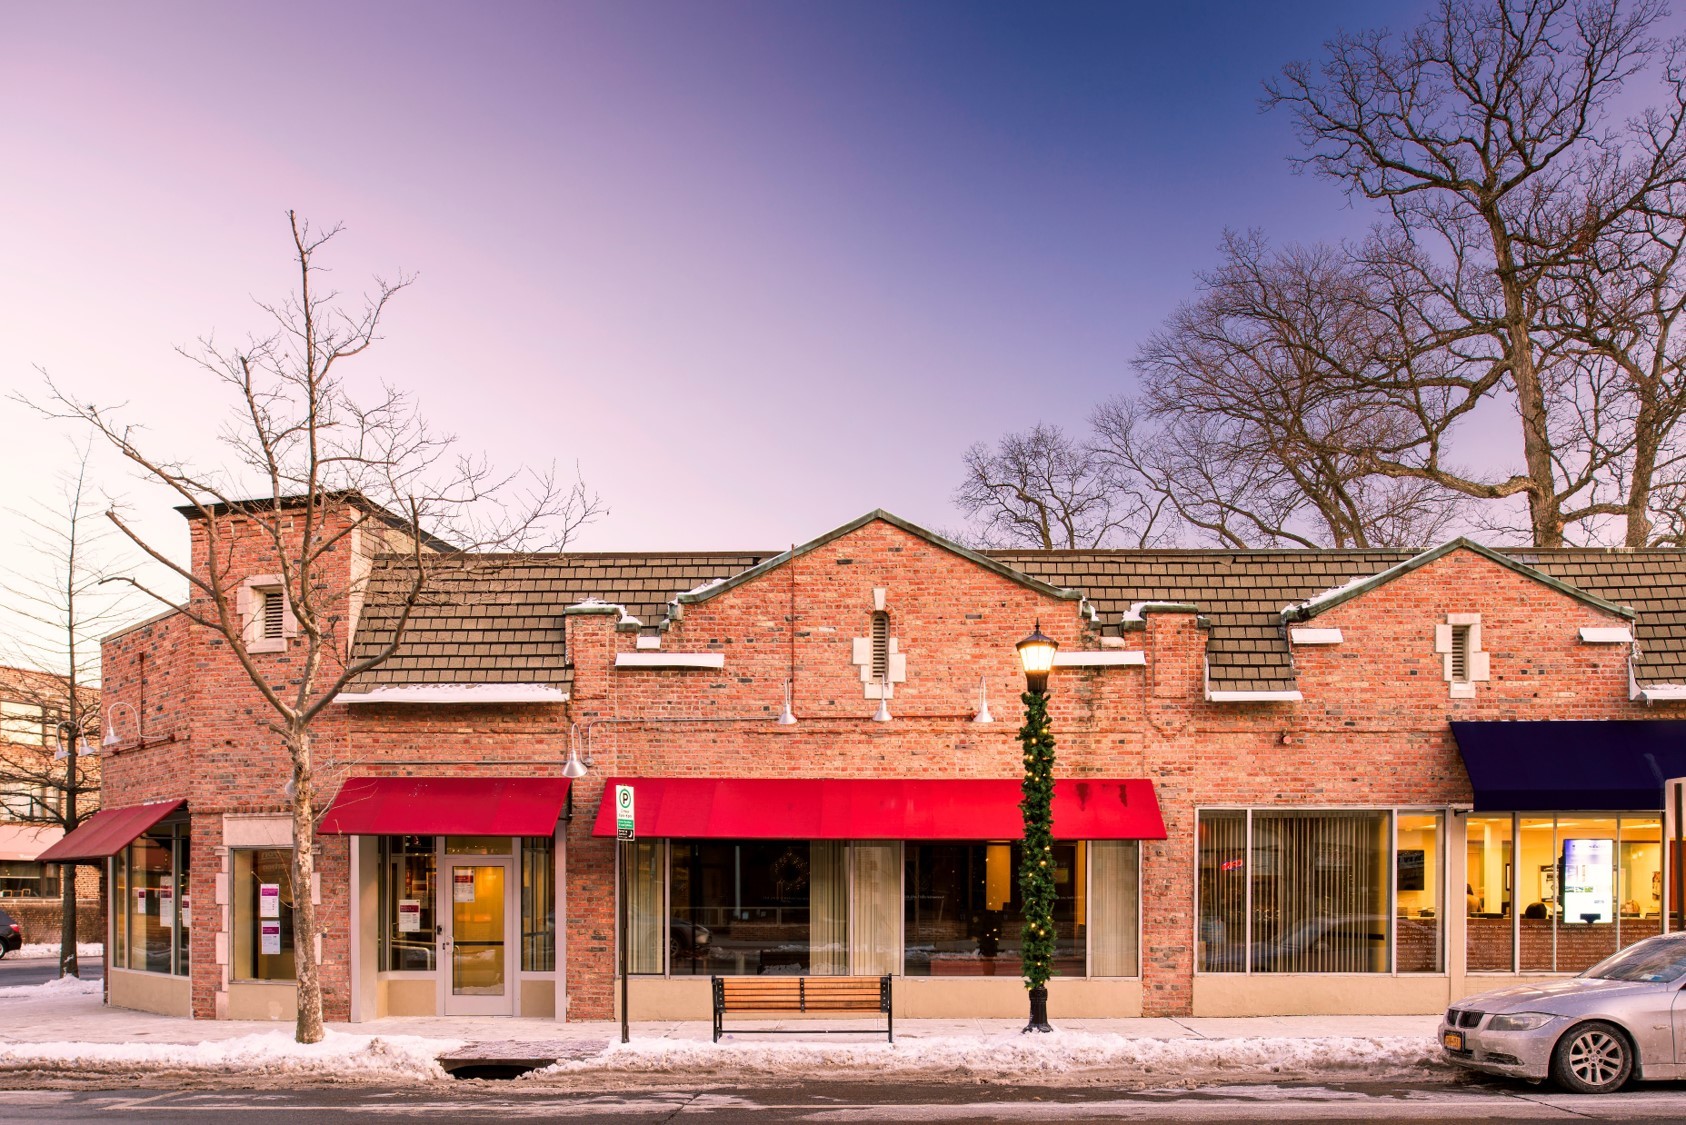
(1371, 732)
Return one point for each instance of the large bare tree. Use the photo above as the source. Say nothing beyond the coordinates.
(337, 474)
(1489, 134)
(59, 608)
(1042, 488)
(1248, 417)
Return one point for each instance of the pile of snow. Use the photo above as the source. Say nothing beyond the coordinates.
(1024, 1056)
(57, 987)
(51, 949)
(339, 1056)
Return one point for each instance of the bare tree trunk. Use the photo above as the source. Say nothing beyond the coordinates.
(306, 968)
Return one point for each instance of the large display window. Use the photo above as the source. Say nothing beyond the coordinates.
(1320, 891)
(152, 914)
(263, 915)
(408, 936)
(1573, 889)
(831, 907)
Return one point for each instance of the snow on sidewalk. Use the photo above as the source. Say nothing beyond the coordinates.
(340, 1055)
(57, 988)
(32, 950)
(1013, 1055)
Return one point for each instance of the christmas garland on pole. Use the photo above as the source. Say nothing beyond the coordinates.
(1036, 866)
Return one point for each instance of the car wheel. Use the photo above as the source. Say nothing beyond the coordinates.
(1592, 1058)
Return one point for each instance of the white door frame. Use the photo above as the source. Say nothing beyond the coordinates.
(450, 1003)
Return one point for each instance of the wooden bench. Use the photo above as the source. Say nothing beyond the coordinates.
(765, 996)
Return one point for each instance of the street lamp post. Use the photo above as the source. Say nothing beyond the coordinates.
(1036, 864)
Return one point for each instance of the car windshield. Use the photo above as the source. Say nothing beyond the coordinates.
(1656, 961)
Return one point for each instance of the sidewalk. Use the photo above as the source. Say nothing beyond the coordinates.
(65, 1028)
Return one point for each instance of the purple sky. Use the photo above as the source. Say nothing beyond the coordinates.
(756, 267)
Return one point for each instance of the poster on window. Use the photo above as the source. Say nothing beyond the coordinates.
(187, 912)
(409, 915)
(140, 900)
(166, 906)
(271, 934)
(269, 900)
(1589, 880)
(462, 886)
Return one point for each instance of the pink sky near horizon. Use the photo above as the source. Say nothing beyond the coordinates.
(756, 268)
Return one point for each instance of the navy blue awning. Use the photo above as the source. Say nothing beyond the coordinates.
(1577, 765)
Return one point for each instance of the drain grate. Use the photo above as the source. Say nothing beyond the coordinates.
(506, 1060)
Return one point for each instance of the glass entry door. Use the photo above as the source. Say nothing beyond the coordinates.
(476, 948)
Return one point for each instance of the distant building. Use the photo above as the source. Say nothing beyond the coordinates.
(32, 706)
(1288, 781)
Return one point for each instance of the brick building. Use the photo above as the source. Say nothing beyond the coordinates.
(1289, 781)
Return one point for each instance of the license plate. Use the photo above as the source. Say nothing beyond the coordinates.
(1452, 1040)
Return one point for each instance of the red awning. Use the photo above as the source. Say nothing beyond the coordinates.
(447, 806)
(874, 809)
(108, 832)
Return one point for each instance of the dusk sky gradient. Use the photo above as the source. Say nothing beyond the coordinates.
(756, 267)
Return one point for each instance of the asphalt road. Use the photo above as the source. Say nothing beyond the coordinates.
(845, 1103)
(40, 970)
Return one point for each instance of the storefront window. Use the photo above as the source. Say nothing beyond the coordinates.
(150, 877)
(29, 880)
(741, 907)
(1419, 905)
(538, 905)
(1588, 885)
(408, 929)
(263, 914)
(875, 908)
(1318, 891)
(962, 913)
(1114, 905)
(647, 940)
(1487, 893)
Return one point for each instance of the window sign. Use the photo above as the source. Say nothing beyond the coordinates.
(271, 935)
(269, 902)
(462, 885)
(140, 901)
(1588, 883)
(167, 906)
(187, 912)
(409, 914)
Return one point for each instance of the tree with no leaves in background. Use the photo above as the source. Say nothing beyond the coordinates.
(1041, 488)
(61, 608)
(332, 469)
(1522, 226)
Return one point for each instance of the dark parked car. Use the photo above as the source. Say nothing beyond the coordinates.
(687, 939)
(11, 934)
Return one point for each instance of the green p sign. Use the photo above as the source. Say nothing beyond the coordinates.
(623, 813)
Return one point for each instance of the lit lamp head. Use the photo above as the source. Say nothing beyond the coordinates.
(1036, 653)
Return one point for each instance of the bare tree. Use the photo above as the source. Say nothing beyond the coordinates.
(61, 608)
(1486, 132)
(1251, 408)
(1040, 488)
(334, 470)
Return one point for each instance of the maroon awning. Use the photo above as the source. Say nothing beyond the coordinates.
(447, 806)
(108, 832)
(876, 809)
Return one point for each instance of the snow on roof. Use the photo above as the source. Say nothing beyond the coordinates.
(456, 693)
(1333, 593)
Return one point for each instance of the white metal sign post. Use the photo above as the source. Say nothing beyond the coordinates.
(624, 835)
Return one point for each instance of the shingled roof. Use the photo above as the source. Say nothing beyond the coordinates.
(499, 620)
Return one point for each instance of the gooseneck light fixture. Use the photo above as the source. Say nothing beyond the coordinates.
(1036, 862)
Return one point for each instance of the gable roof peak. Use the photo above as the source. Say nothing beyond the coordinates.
(1328, 599)
(702, 594)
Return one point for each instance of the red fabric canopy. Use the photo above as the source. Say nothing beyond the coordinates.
(447, 806)
(876, 809)
(108, 832)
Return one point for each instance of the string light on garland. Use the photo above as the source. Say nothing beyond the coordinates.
(1036, 880)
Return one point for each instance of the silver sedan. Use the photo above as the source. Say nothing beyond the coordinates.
(1623, 1018)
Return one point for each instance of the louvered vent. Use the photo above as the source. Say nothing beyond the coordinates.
(1460, 654)
(273, 607)
(880, 646)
